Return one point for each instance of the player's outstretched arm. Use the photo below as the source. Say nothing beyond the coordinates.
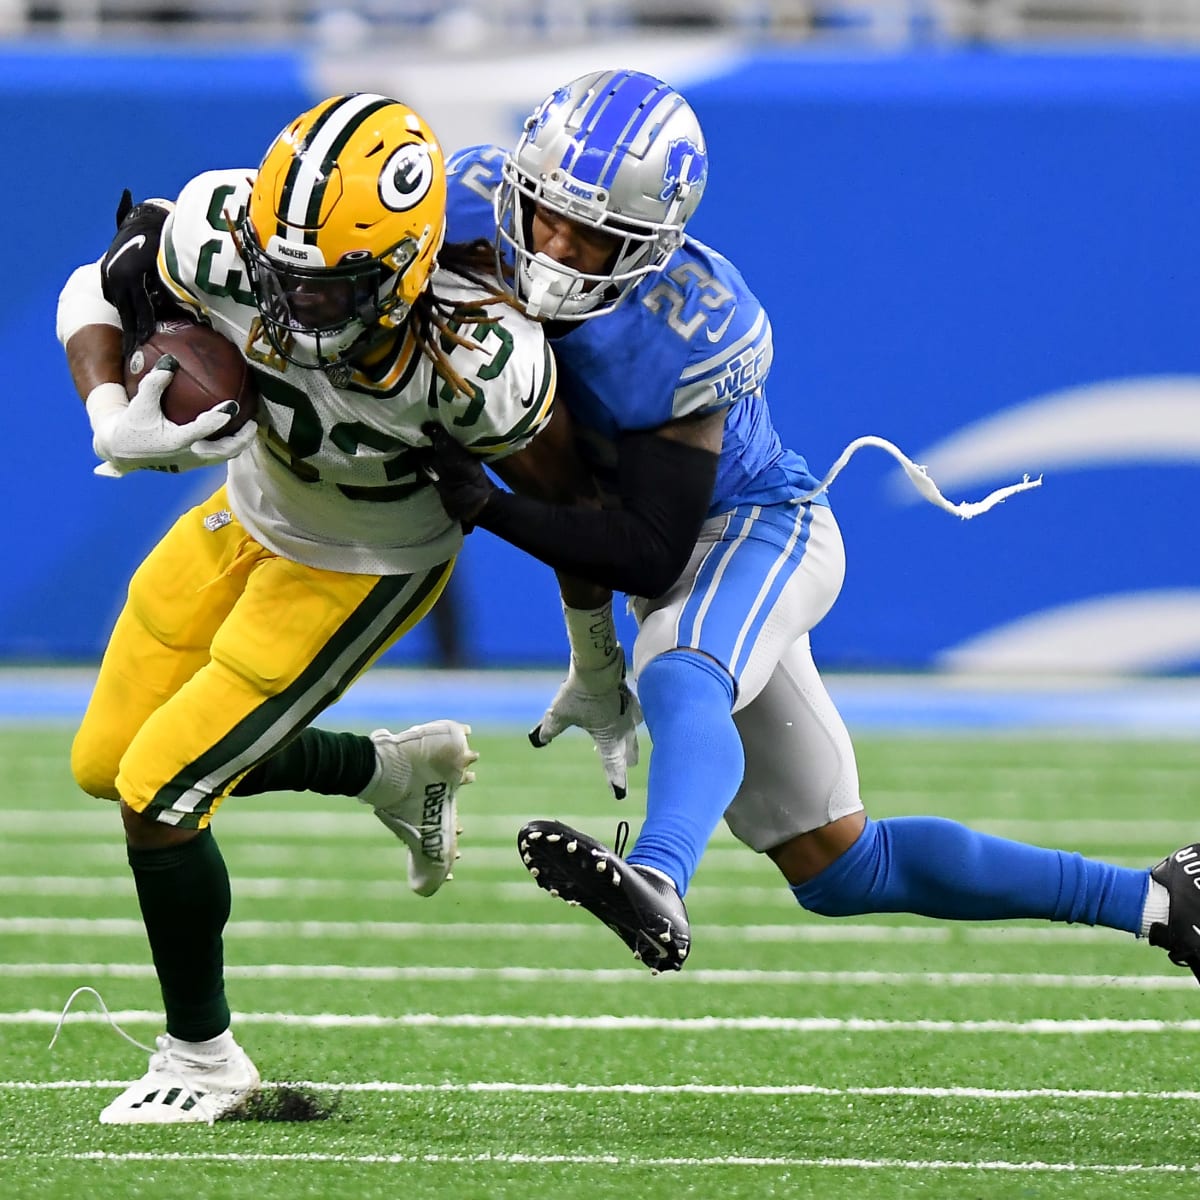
(665, 478)
(594, 696)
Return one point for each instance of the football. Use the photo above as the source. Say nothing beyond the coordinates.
(211, 371)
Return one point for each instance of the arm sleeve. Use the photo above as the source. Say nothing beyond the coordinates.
(82, 302)
(641, 547)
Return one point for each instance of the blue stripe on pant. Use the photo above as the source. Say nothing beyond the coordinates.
(687, 693)
(743, 576)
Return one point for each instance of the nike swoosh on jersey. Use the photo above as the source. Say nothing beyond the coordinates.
(132, 244)
(715, 335)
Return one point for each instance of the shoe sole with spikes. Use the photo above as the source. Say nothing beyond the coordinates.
(639, 906)
(1179, 873)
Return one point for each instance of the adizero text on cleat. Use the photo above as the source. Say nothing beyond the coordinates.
(1179, 873)
(414, 793)
(637, 903)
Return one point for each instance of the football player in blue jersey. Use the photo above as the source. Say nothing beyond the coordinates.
(730, 556)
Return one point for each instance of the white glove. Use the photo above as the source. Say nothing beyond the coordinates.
(599, 701)
(131, 435)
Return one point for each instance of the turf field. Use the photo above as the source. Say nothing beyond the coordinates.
(490, 1042)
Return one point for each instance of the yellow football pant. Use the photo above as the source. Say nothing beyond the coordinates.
(222, 654)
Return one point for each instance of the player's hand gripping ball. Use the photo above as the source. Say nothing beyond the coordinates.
(211, 371)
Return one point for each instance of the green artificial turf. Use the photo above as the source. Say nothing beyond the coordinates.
(491, 1042)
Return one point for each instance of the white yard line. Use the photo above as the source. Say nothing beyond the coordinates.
(346, 820)
(637, 1162)
(490, 1087)
(689, 1025)
(369, 847)
(800, 931)
(1183, 982)
(393, 887)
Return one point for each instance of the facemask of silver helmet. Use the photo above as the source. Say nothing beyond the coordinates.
(618, 151)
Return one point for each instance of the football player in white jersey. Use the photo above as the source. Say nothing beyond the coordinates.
(323, 546)
(729, 553)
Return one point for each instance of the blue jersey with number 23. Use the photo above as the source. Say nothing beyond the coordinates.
(690, 339)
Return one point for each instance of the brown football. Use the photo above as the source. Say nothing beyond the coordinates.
(211, 371)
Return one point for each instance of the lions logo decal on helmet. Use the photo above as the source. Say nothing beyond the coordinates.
(537, 122)
(687, 167)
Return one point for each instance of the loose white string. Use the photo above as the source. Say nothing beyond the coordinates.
(104, 1007)
(180, 1080)
(920, 479)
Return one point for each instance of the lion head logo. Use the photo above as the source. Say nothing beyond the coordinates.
(686, 167)
(538, 121)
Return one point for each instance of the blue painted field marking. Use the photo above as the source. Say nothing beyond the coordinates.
(883, 704)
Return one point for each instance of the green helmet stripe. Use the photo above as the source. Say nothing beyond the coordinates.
(309, 172)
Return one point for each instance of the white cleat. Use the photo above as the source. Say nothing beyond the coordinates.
(414, 794)
(186, 1082)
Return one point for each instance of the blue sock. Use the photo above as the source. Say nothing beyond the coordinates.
(696, 764)
(938, 868)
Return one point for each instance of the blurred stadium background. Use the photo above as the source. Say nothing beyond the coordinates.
(972, 221)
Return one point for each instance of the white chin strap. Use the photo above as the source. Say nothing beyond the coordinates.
(551, 290)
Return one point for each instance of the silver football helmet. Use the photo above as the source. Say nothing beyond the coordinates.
(619, 151)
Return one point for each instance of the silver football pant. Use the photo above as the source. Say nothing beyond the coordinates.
(759, 579)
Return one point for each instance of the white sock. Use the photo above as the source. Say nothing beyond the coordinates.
(393, 770)
(217, 1047)
(1158, 907)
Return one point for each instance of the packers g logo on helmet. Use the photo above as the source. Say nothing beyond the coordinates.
(406, 178)
(342, 230)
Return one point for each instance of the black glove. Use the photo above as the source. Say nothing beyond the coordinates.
(458, 476)
(129, 271)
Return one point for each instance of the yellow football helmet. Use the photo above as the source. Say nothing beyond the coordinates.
(343, 227)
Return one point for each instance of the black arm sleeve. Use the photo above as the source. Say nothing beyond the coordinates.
(640, 548)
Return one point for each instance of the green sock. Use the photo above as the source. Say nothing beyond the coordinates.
(334, 764)
(184, 895)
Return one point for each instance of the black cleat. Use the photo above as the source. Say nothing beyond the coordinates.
(1179, 873)
(637, 904)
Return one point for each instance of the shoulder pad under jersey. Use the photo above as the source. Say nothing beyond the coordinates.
(198, 259)
(472, 176)
(701, 297)
(506, 363)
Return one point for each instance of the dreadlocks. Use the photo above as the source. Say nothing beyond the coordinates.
(436, 321)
